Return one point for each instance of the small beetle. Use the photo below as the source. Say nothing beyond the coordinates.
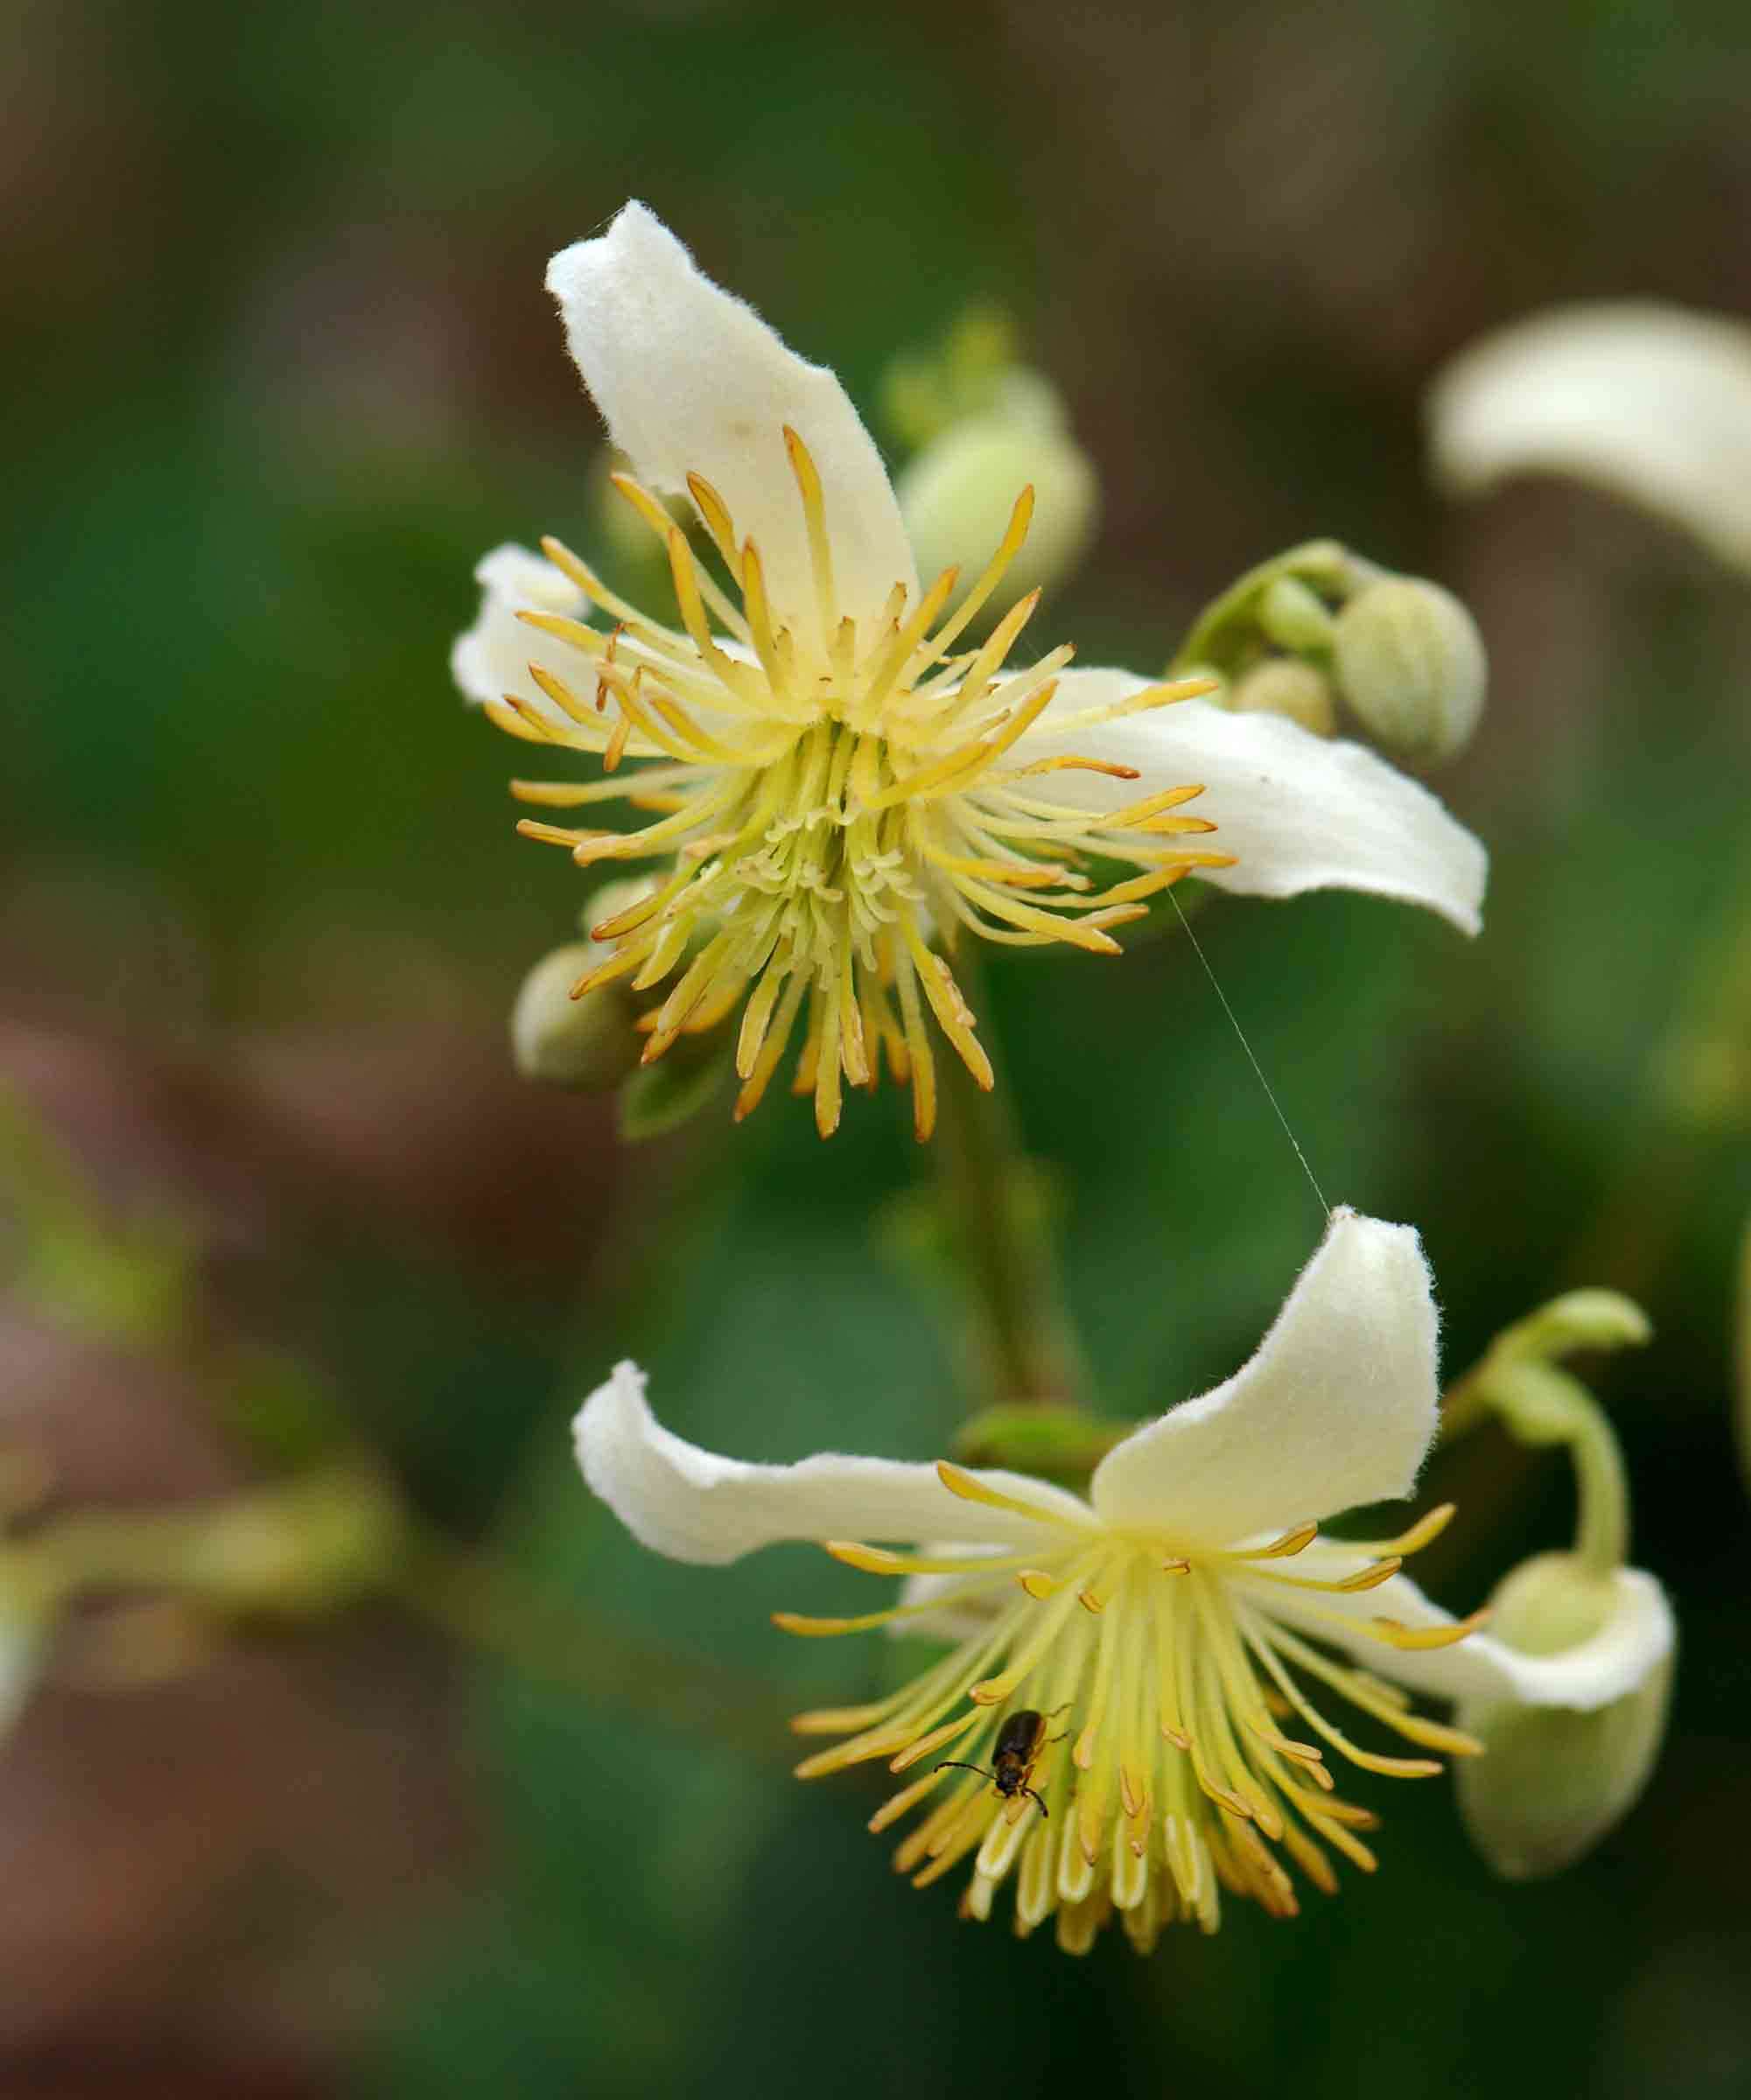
(1018, 1744)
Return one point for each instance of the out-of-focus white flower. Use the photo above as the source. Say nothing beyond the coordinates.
(834, 784)
(1177, 1623)
(1652, 403)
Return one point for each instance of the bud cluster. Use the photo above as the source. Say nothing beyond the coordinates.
(1319, 633)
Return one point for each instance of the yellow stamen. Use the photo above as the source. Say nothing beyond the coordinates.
(834, 803)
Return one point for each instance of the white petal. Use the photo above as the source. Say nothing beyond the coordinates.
(492, 658)
(694, 1505)
(1637, 1637)
(1336, 1409)
(1651, 402)
(691, 381)
(1299, 812)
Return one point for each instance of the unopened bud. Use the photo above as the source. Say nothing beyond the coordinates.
(591, 1043)
(1284, 685)
(957, 494)
(1294, 616)
(1410, 662)
(1554, 1779)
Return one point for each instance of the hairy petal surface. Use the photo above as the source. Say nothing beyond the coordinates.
(1337, 1408)
(1299, 812)
(695, 1505)
(690, 379)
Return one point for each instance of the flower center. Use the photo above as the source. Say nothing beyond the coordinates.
(839, 797)
(1160, 1696)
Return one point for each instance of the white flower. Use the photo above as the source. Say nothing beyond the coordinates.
(1651, 402)
(494, 659)
(1178, 1622)
(837, 788)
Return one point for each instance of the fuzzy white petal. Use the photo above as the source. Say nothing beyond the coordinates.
(690, 379)
(693, 1505)
(492, 658)
(1298, 811)
(1336, 1409)
(1651, 402)
(1636, 1638)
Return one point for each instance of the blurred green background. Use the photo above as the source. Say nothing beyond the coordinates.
(282, 367)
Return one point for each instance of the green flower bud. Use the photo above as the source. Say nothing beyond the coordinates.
(1410, 661)
(1286, 686)
(1295, 617)
(958, 493)
(924, 392)
(591, 1043)
(1554, 1779)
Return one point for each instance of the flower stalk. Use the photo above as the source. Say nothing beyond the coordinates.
(1519, 1382)
(1000, 1239)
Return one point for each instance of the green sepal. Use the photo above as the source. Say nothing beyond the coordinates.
(660, 1097)
(1062, 1443)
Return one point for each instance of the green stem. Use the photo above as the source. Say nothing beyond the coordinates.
(1602, 1487)
(476, 1604)
(1000, 1239)
(1540, 1404)
(296, 1549)
(1741, 1352)
(1227, 621)
(314, 1545)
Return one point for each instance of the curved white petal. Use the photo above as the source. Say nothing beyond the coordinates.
(1637, 1637)
(694, 1505)
(1651, 402)
(492, 658)
(1336, 1409)
(690, 379)
(1299, 812)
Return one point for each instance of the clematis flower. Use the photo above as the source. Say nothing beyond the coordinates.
(836, 786)
(1649, 403)
(1178, 1623)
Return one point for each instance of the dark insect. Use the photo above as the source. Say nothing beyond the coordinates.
(1018, 1744)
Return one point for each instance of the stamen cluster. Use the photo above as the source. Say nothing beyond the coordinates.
(839, 798)
(1177, 1680)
